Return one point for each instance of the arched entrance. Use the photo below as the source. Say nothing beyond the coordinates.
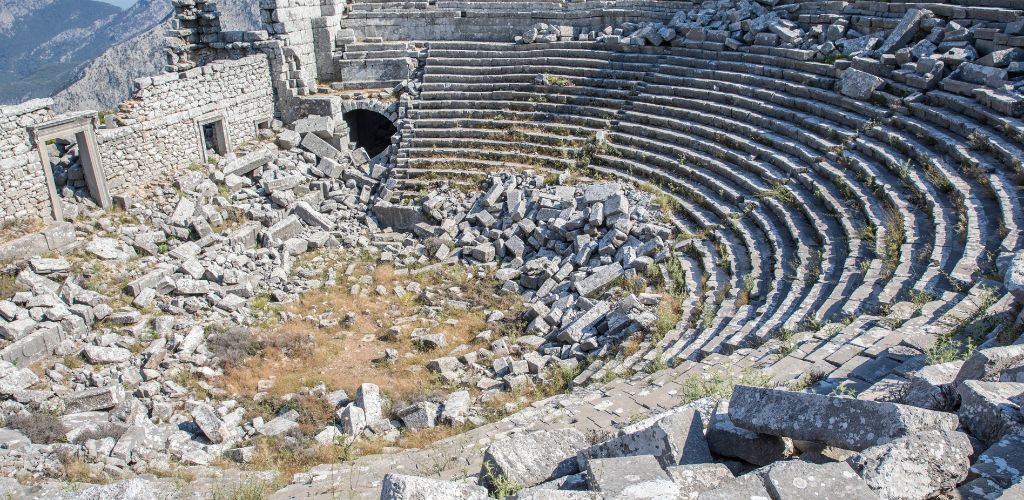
(369, 130)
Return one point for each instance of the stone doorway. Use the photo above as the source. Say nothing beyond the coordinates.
(213, 137)
(369, 130)
(73, 138)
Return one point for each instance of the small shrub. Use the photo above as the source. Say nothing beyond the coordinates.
(233, 345)
(292, 344)
(40, 428)
(501, 485)
(102, 432)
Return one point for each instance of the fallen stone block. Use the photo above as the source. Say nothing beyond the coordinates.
(250, 162)
(100, 398)
(531, 458)
(904, 31)
(991, 410)
(694, 479)
(600, 278)
(321, 148)
(917, 466)
(675, 438)
(1003, 462)
(749, 486)
(932, 386)
(842, 422)
(421, 415)
(209, 423)
(988, 364)
(727, 440)
(312, 217)
(858, 84)
(625, 477)
(831, 481)
(401, 487)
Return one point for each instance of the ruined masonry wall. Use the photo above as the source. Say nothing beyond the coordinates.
(161, 136)
(24, 194)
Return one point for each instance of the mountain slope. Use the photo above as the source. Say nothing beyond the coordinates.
(107, 80)
(44, 42)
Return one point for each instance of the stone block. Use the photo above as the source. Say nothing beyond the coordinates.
(842, 422)
(917, 466)
(674, 438)
(625, 477)
(830, 481)
(694, 479)
(531, 458)
(991, 410)
(100, 398)
(401, 487)
(858, 84)
(1003, 462)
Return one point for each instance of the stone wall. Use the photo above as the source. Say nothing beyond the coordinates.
(160, 133)
(23, 192)
(500, 22)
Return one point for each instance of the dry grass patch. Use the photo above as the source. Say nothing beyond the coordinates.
(14, 229)
(297, 353)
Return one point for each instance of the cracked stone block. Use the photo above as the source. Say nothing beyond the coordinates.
(842, 422)
(988, 364)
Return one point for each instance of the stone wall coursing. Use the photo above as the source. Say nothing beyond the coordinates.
(502, 22)
(160, 135)
(23, 191)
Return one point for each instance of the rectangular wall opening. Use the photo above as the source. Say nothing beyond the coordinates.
(70, 158)
(213, 138)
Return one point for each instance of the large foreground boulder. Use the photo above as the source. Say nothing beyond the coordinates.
(400, 487)
(850, 424)
(531, 458)
(916, 467)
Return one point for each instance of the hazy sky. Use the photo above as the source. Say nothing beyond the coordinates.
(124, 4)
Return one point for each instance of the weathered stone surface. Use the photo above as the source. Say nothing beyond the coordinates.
(1014, 277)
(1003, 462)
(918, 466)
(675, 438)
(749, 486)
(932, 386)
(832, 481)
(100, 398)
(612, 476)
(106, 355)
(531, 458)
(421, 415)
(368, 398)
(598, 280)
(845, 423)
(210, 423)
(991, 410)
(402, 487)
(988, 364)
(726, 439)
(857, 84)
(694, 479)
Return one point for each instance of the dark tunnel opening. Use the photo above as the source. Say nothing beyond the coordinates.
(370, 130)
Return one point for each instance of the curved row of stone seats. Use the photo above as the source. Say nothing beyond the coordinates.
(736, 198)
(751, 126)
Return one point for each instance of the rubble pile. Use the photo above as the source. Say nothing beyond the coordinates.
(955, 435)
(69, 177)
(125, 367)
(920, 51)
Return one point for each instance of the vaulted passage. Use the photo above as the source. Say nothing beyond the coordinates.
(370, 130)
